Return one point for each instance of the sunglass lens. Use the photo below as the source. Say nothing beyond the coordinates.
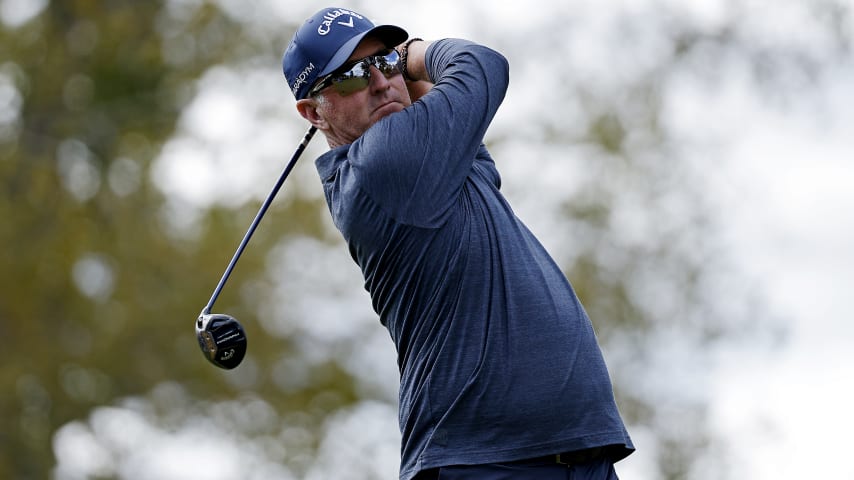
(387, 64)
(350, 85)
(352, 80)
(358, 77)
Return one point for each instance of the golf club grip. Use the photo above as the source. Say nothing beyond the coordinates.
(300, 148)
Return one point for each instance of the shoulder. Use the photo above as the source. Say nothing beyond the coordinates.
(330, 162)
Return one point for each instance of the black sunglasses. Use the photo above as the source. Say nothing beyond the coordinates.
(356, 75)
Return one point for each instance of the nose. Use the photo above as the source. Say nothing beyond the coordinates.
(379, 83)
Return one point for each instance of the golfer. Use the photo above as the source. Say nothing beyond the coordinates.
(501, 376)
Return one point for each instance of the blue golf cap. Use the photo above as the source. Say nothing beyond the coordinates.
(325, 42)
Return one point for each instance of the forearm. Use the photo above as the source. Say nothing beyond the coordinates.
(470, 83)
(416, 68)
(417, 81)
(460, 68)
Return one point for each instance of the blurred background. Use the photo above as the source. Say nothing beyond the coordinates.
(687, 163)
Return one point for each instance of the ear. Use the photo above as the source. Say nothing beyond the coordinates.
(307, 108)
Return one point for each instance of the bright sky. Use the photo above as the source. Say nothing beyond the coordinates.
(793, 230)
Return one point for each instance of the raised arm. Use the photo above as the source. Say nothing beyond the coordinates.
(416, 162)
(417, 81)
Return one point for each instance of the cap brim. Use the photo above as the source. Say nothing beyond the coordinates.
(390, 35)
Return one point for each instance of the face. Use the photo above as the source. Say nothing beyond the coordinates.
(344, 118)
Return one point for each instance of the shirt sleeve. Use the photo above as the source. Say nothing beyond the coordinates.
(414, 163)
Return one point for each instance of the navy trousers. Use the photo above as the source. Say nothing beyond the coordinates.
(602, 469)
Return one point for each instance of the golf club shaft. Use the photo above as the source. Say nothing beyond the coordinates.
(258, 216)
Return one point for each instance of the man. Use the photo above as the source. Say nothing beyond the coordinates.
(501, 375)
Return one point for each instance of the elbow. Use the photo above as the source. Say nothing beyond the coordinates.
(496, 65)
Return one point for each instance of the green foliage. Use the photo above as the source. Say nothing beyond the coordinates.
(98, 101)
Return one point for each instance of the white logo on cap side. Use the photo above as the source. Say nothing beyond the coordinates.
(326, 26)
(302, 77)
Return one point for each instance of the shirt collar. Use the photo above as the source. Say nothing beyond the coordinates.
(328, 163)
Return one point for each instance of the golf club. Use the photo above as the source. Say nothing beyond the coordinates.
(221, 337)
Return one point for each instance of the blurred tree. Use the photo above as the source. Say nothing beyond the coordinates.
(98, 293)
(97, 299)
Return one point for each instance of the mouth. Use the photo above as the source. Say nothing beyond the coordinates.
(387, 108)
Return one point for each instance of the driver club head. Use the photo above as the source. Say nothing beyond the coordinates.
(222, 339)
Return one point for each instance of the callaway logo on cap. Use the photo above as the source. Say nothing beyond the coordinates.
(325, 41)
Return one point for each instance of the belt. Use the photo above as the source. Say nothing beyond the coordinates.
(580, 456)
(575, 457)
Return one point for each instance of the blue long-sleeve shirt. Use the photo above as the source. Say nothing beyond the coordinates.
(498, 359)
